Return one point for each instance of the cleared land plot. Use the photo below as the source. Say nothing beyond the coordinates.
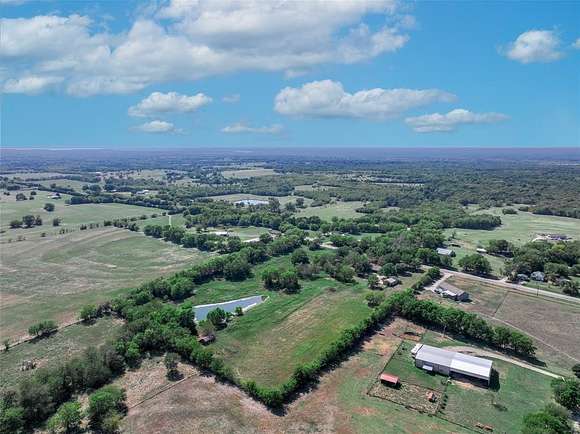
(554, 325)
(68, 183)
(519, 228)
(70, 215)
(53, 277)
(52, 350)
(520, 392)
(242, 196)
(312, 187)
(247, 173)
(287, 329)
(338, 209)
(484, 298)
(244, 233)
(339, 403)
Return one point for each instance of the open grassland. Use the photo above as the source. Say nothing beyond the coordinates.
(554, 325)
(243, 196)
(287, 329)
(67, 183)
(244, 233)
(520, 391)
(518, 228)
(71, 215)
(338, 209)
(53, 277)
(312, 187)
(247, 173)
(54, 349)
(338, 404)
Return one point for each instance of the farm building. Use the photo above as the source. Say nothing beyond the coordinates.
(445, 252)
(446, 362)
(388, 281)
(449, 291)
(538, 276)
(254, 202)
(480, 250)
(389, 380)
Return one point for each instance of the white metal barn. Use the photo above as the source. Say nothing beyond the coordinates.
(446, 362)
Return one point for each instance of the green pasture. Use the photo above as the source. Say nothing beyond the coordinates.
(338, 209)
(53, 277)
(54, 349)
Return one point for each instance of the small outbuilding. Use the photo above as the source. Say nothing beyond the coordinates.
(445, 252)
(389, 380)
(538, 276)
(205, 340)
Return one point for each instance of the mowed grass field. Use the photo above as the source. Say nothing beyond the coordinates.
(53, 277)
(338, 209)
(52, 350)
(71, 215)
(287, 329)
(518, 229)
(554, 325)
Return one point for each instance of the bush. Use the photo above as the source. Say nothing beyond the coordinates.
(42, 328)
(67, 419)
(49, 207)
(104, 403)
(567, 393)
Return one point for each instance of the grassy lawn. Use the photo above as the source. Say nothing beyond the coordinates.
(518, 229)
(54, 349)
(497, 263)
(247, 173)
(71, 215)
(54, 276)
(338, 209)
(484, 297)
(287, 329)
(520, 392)
(68, 183)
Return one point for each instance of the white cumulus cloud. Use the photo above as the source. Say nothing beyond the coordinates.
(576, 44)
(535, 46)
(172, 102)
(241, 127)
(328, 98)
(437, 122)
(187, 40)
(30, 85)
(156, 127)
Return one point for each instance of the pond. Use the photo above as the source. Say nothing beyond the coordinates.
(245, 303)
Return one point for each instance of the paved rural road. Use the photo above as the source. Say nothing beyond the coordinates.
(484, 353)
(513, 286)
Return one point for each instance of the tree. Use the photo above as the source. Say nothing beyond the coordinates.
(237, 269)
(49, 207)
(28, 221)
(15, 224)
(475, 264)
(567, 392)
(239, 311)
(42, 328)
(20, 196)
(106, 401)
(170, 362)
(551, 420)
(344, 274)
(373, 281)
(6, 343)
(11, 419)
(289, 281)
(217, 316)
(270, 277)
(375, 298)
(299, 256)
(56, 221)
(89, 312)
(388, 269)
(67, 419)
(576, 369)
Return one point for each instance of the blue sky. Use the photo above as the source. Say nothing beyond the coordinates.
(381, 73)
